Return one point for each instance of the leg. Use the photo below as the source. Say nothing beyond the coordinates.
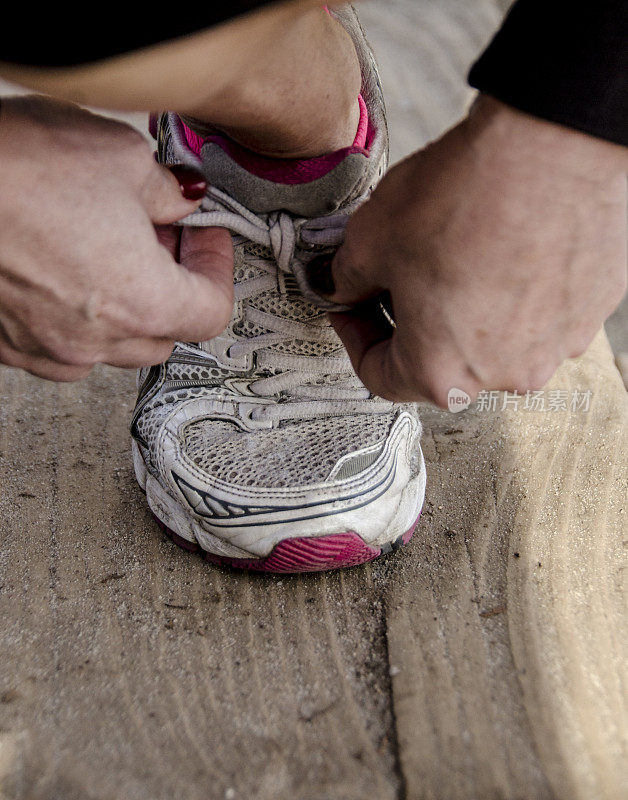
(258, 78)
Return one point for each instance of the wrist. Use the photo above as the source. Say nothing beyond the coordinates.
(548, 145)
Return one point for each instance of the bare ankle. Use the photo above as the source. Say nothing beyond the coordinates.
(303, 101)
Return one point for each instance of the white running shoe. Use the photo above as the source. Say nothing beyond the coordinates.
(261, 448)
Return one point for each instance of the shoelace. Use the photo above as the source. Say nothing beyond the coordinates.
(314, 385)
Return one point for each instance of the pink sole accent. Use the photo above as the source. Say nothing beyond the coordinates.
(312, 554)
(408, 534)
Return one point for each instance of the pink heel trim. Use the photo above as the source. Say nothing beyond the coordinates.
(287, 171)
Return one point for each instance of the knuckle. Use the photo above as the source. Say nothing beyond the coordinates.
(136, 149)
(543, 373)
(439, 395)
(437, 384)
(519, 385)
(135, 158)
(413, 385)
(536, 377)
(518, 379)
(529, 373)
(520, 382)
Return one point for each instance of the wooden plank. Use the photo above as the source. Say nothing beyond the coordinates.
(134, 670)
(507, 674)
(507, 629)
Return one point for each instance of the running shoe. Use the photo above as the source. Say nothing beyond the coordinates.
(261, 449)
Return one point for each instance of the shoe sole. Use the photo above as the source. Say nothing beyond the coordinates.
(298, 554)
(307, 554)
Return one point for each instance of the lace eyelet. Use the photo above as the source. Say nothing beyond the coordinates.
(252, 414)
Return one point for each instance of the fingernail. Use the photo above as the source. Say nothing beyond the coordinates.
(191, 181)
(320, 276)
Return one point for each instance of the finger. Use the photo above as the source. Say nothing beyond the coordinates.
(59, 373)
(387, 371)
(351, 277)
(348, 280)
(41, 367)
(530, 371)
(390, 370)
(367, 338)
(169, 195)
(377, 369)
(15, 337)
(169, 236)
(200, 295)
(362, 327)
(138, 352)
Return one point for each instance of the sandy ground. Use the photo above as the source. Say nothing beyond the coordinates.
(486, 660)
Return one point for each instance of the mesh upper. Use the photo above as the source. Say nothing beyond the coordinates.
(197, 372)
(297, 454)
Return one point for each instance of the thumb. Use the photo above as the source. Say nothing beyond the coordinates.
(171, 193)
(343, 279)
(201, 299)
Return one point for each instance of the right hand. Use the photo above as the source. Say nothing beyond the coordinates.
(84, 277)
(502, 247)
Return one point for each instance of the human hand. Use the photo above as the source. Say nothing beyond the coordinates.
(83, 276)
(503, 248)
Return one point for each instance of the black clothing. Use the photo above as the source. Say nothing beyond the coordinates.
(563, 60)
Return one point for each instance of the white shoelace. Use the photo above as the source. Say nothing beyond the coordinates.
(300, 378)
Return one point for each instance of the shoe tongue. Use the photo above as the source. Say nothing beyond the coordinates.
(304, 187)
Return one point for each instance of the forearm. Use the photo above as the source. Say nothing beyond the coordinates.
(257, 77)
